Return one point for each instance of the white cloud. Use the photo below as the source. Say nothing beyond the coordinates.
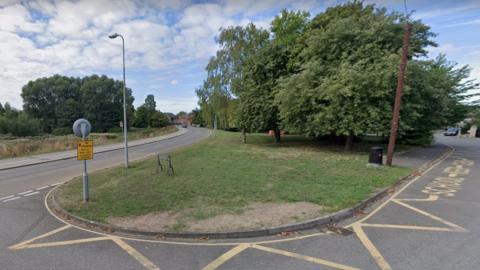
(175, 105)
(173, 82)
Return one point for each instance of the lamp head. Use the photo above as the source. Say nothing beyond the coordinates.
(113, 36)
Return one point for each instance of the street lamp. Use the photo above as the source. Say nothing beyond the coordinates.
(125, 138)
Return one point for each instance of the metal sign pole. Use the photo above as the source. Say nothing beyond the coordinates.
(81, 129)
(85, 175)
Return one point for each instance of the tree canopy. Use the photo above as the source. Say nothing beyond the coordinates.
(58, 101)
(334, 74)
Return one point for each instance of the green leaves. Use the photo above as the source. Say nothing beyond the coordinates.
(335, 74)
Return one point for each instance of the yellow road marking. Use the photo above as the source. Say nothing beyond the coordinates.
(135, 254)
(64, 243)
(457, 228)
(377, 256)
(175, 242)
(304, 257)
(381, 206)
(408, 227)
(226, 256)
(430, 198)
(20, 245)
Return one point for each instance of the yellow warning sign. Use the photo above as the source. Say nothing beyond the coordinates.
(85, 150)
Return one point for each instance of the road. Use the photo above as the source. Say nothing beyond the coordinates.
(22, 179)
(432, 222)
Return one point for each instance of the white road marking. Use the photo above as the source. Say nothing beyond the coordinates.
(7, 197)
(25, 192)
(44, 187)
(14, 198)
(30, 194)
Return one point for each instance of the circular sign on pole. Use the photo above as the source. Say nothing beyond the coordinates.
(81, 128)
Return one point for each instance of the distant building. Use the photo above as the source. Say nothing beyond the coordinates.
(171, 117)
(187, 119)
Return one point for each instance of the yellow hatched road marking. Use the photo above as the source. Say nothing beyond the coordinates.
(226, 256)
(135, 254)
(408, 227)
(64, 243)
(457, 228)
(305, 258)
(431, 198)
(377, 256)
(20, 245)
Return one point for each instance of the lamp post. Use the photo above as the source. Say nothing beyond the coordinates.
(125, 138)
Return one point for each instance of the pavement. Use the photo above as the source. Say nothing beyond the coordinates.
(55, 156)
(432, 222)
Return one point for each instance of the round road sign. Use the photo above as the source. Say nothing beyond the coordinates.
(81, 128)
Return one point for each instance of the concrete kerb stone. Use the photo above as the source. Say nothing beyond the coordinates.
(317, 223)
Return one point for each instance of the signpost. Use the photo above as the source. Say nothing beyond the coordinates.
(81, 128)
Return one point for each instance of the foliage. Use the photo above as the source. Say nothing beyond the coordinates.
(197, 118)
(333, 75)
(258, 110)
(181, 114)
(225, 74)
(58, 101)
(147, 115)
(158, 119)
(20, 125)
(62, 131)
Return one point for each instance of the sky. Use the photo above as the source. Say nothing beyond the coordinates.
(168, 43)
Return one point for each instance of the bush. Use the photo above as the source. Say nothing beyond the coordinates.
(416, 137)
(20, 126)
(62, 131)
(115, 130)
(158, 119)
(466, 128)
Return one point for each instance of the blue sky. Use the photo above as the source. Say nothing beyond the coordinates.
(168, 43)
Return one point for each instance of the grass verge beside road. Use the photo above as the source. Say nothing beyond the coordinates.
(19, 147)
(223, 176)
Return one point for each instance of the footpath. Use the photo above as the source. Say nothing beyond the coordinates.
(11, 163)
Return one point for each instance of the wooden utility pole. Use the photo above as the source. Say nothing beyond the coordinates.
(398, 95)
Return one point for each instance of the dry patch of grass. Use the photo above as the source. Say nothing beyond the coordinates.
(253, 216)
(10, 148)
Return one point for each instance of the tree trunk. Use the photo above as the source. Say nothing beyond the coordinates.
(349, 142)
(277, 134)
(244, 136)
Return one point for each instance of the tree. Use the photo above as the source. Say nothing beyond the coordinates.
(258, 110)
(158, 119)
(347, 69)
(181, 114)
(102, 102)
(55, 100)
(197, 118)
(145, 112)
(150, 103)
(225, 74)
(432, 98)
(2, 110)
(58, 101)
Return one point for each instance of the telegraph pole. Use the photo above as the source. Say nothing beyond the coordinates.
(398, 95)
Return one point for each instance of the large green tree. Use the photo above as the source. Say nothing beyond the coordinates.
(145, 112)
(225, 73)
(55, 100)
(346, 70)
(262, 71)
(58, 101)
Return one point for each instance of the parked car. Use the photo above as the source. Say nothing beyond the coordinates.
(452, 131)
